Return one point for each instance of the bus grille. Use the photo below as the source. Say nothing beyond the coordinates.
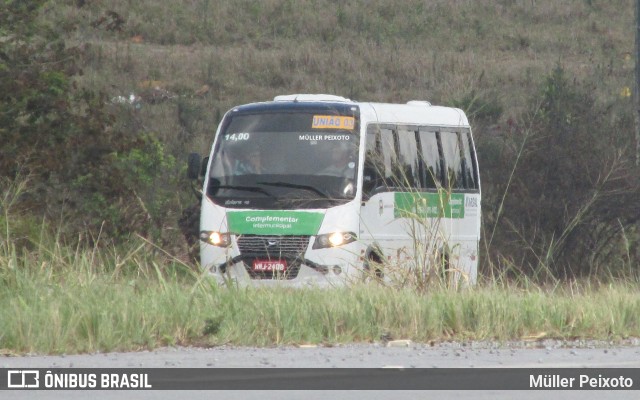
(258, 247)
(272, 246)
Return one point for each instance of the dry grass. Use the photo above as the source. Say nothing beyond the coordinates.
(61, 298)
(437, 50)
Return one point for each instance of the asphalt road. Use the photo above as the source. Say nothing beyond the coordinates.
(398, 355)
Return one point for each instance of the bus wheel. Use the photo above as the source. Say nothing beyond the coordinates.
(445, 272)
(373, 267)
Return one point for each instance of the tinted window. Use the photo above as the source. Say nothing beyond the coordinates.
(419, 158)
(468, 164)
(373, 164)
(389, 157)
(430, 157)
(409, 163)
(452, 159)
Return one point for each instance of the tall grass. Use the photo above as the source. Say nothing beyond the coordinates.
(62, 298)
(48, 305)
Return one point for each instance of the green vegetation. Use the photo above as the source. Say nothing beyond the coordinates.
(58, 299)
(100, 102)
(128, 89)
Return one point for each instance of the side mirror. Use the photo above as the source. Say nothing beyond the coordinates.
(203, 166)
(194, 168)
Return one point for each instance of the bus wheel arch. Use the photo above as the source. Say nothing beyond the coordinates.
(443, 262)
(373, 261)
(446, 269)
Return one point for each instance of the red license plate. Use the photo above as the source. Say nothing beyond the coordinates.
(269, 265)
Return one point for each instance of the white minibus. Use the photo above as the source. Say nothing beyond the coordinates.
(313, 189)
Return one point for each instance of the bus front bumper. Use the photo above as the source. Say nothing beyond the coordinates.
(235, 272)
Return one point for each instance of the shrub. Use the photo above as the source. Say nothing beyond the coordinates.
(65, 138)
(572, 192)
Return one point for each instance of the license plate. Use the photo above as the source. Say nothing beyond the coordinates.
(269, 265)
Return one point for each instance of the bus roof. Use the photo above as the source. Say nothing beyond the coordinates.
(413, 112)
(418, 113)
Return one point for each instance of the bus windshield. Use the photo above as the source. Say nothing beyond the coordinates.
(285, 160)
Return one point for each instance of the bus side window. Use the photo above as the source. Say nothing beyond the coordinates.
(453, 160)
(430, 158)
(408, 160)
(468, 164)
(390, 166)
(382, 169)
(373, 163)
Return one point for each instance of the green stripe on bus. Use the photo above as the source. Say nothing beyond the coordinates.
(428, 205)
(276, 222)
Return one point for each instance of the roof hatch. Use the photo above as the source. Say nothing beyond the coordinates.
(310, 97)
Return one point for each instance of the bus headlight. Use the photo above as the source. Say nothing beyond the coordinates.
(333, 239)
(216, 238)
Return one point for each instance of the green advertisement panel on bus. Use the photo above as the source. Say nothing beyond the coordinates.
(276, 222)
(428, 205)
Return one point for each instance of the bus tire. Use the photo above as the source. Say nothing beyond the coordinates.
(373, 265)
(447, 275)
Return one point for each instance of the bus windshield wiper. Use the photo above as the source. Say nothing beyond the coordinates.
(247, 188)
(308, 188)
